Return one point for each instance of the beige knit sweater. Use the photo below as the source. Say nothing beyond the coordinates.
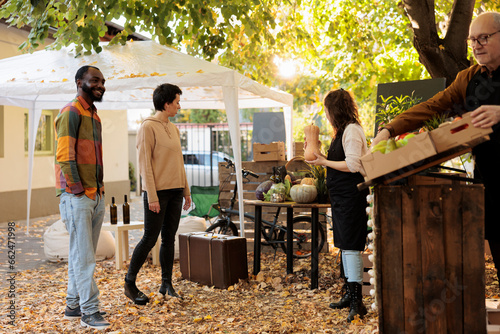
(160, 158)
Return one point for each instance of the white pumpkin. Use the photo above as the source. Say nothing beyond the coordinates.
(303, 193)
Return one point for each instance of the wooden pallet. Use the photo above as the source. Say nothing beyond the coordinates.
(429, 258)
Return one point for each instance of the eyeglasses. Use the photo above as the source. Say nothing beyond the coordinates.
(481, 40)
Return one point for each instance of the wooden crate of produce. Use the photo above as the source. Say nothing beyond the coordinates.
(429, 259)
(274, 151)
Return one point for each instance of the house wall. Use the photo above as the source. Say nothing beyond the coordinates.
(14, 161)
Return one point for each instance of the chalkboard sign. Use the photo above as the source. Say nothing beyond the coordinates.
(268, 127)
(424, 89)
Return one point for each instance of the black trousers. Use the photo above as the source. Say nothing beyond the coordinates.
(166, 222)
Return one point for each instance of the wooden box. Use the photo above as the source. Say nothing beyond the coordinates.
(429, 259)
(274, 151)
(422, 180)
(298, 149)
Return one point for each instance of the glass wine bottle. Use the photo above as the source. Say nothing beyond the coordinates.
(113, 212)
(126, 211)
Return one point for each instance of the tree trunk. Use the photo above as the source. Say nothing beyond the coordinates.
(442, 57)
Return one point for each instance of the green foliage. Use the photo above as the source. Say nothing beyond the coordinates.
(392, 106)
(353, 44)
(131, 177)
(207, 116)
(203, 27)
(319, 175)
(435, 121)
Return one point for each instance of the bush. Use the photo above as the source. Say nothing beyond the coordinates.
(131, 177)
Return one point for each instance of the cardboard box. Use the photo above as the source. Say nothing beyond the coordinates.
(418, 148)
(493, 329)
(458, 133)
(493, 304)
(274, 151)
(493, 316)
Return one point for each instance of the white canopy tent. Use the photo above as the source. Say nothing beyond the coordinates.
(45, 80)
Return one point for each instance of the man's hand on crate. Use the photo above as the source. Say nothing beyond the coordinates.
(486, 116)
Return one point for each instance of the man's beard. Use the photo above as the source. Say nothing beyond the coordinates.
(86, 88)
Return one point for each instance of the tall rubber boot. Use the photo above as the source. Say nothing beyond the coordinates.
(357, 306)
(345, 301)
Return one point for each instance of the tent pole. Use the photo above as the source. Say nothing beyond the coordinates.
(233, 115)
(33, 120)
(289, 135)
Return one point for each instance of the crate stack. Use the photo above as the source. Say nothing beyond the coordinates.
(274, 151)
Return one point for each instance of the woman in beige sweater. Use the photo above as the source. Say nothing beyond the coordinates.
(165, 186)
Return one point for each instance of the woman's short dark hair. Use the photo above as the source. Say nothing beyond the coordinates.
(165, 93)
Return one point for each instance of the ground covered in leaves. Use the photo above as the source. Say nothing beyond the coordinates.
(270, 302)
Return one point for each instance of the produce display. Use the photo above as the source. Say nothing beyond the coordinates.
(286, 186)
(262, 189)
(391, 144)
(299, 190)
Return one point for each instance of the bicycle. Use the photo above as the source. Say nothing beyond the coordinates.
(273, 233)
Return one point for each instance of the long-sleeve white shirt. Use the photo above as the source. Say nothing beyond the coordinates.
(354, 144)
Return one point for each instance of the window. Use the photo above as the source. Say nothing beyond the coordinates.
(191, 159)
(44, 141)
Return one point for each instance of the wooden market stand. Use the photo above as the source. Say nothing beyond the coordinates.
(429, 252)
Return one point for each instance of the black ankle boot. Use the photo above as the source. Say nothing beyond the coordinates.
(345, 301)
(166, 287)
(134, 294)
(357, 306)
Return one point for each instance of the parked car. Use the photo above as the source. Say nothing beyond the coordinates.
(198, 167)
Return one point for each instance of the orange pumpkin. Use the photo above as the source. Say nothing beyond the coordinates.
(308, 181)
(311, 133)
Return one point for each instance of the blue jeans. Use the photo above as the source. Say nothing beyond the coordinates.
(352, 261)
(83, 219)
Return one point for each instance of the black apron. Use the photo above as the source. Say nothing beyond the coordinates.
(485, 90)
(348, 203)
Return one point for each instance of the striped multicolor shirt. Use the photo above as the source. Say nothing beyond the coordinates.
(79, 166)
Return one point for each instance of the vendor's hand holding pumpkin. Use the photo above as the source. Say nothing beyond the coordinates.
(320, 160)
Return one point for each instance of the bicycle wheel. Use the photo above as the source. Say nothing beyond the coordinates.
(223, 226)
(302, 237)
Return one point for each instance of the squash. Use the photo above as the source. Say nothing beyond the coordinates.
(303, 193)
(308, 181)
(312, 143)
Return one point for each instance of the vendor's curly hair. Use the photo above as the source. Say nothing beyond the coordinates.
(341, 109)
